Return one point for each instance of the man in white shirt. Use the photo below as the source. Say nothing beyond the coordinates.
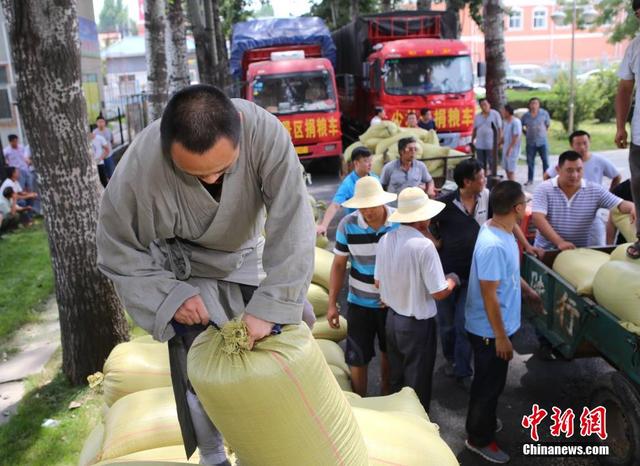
(410, 277)
(628, 74)
(23, 198)
(100, 151)
(378, 117)
(15, 156)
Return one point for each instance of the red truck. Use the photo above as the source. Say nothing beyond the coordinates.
(285, 66)
(405, 61)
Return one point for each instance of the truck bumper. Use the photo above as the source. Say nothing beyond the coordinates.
(319, 150)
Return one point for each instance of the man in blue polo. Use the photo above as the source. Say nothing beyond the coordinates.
(361, 158)
(357, 241)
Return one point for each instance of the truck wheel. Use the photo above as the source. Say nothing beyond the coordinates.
(622, 401)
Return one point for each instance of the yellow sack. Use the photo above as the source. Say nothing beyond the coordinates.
(624, 225)
(579, 267)
(277, 404)
(378, 164)
(322, 330)
(384, 129)
(322, 267)
(405, 401)
(319, 299)
(141, 421)
(435, 167)
(620, 254)
(343, 378)
(402, 439)
(145, 339)
(92, 446)
(322, 241)
(617, 288)
(174, 453)
(371, 143)
(132, 367)
(333, 354)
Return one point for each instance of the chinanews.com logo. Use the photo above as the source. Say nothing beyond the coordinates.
(592, 425)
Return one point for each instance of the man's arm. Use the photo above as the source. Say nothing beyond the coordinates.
(546, 230)
(289, 228)
(615, 181)
(611, 230)
(329, 214)
(336, 280)
(489, 292)
(522, 239)
(627, 207)
(623, 104)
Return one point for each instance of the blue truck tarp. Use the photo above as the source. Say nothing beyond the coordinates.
(271, 32)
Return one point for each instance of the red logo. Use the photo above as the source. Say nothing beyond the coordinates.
(592, 422)
(532, 421)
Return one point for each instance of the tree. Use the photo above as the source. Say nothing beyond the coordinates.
(204, 43)
(45, 51)
(341, 11)
(265, 11)
(114, 17)
(157, 79)
(222, 59)
(177, 46)
(494, 51)
(620, 14)
(423, 4)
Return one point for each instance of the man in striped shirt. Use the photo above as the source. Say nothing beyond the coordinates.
(357, 239)
(564, 207)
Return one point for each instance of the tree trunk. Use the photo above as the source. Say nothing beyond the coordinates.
(385, 5)
(222, 63)
(157, 79)
(423, 4)
(334, 13)
(204, 52)
(354, 9)
(177, 46)
(46, 56)
(494, 51)
(455, 6)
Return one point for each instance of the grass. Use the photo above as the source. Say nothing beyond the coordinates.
(27, 278)
(23, 440)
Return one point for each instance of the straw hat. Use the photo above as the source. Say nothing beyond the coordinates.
(415, 206)
(369, 193)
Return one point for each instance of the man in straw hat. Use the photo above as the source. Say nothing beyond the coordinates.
(410, 278)
(493, 315)
(356, 241)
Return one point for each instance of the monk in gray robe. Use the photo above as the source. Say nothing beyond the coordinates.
(180, 233)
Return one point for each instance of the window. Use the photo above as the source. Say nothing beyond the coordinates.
(540, 19)
(4, 74)
(5, 105)
(515, 19)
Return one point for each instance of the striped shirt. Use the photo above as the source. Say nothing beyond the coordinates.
(356, 239)
(570, 218)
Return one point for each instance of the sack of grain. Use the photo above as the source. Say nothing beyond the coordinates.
(141, 421)
(277, 404)
(132, 367)
(616, 287)
(319, 299)
(332, 353)
(624, 225)
(382, 130)
(343, 378)
(378, 163)
(147, 339)
(620, 254)
(322, 267)
(402, 439)
(404, 401)
(579, 267)
(322, 330)
(92, 447)
(322, 241)
(158, 456)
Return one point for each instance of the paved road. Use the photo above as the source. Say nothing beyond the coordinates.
(566, 384)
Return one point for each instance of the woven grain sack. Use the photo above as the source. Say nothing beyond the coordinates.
(141, 421)
(92, 446)
(132, 367)
(620, 254)
(173, 453)
(332, 353)
(319, 299)
(624, 225)
(322, 241)
(435, 167)
(371, 143)
(343, 378)
(378, 164)
(617, 288)
(322, 267)
(148, 339)
(579, 267)
(384, 129)
(404, 401)
(277, 404)
(322, 330)
(402, 439)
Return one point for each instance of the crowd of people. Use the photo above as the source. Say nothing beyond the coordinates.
(426, 264)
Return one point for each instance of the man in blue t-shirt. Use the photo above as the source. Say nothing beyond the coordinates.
(361, 158)
(535, 124)
(492, 315)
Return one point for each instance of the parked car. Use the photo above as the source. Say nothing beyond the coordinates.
(584, 77)
(527, 71)
(517, 82)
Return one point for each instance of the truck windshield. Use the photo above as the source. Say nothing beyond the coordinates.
(283, 94)
(428, 75)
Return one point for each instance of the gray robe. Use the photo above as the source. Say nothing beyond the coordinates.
(160, 233)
